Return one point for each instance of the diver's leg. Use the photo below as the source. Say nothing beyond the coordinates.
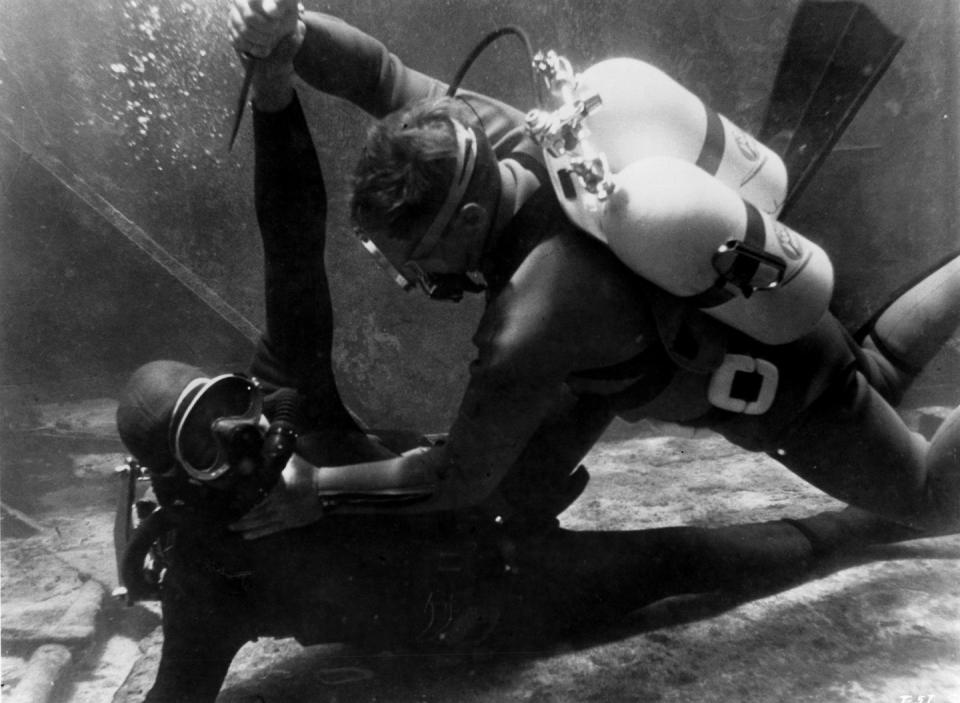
(573, 579)
(547, 476)
(201, 635)
(908, 332)
(943, 468)
(296, 350)
(291, 209)
(569, 580)
(852, 444)
(831, 426)
(856, 447)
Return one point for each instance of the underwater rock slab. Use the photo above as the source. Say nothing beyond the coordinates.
(46, 600)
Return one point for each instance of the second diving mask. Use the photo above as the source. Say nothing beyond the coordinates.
(217, 422)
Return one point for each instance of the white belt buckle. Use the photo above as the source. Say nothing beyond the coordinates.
(720, 392)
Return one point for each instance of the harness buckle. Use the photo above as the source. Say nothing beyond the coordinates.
(748, 268)
(743, 384)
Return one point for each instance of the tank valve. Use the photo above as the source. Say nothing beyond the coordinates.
(594, 174)
(560, 130)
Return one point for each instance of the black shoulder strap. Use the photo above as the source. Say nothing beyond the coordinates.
(533, 165)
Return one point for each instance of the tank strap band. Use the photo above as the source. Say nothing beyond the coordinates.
(743, 269)
(629, 384)
(714, 144)
(531, 164)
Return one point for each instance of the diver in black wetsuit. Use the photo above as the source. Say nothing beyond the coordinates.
(450, 188)
(431, 581)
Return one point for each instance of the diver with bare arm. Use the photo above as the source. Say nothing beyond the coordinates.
(201, 437)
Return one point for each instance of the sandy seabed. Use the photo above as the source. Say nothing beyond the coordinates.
(884, 626)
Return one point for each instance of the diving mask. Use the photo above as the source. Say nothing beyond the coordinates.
(216, 423)
(444, 286)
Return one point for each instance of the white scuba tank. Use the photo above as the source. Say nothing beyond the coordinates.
(691, 235)
(644, 112)
(620, 120)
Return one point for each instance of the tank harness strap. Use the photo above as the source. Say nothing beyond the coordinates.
(629, 384)
(714, 144)
(739, 383)
(738, 264)
(538, 219)
(744, 384)
(531, 164)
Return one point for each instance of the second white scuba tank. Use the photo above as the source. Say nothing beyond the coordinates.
(689, 234)
(684, 197)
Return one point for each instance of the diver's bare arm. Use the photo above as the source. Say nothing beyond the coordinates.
(306, 493)
(396, 482)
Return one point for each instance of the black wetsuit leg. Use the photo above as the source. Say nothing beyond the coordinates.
(566, 582)
(291, 204)
(573, 581)
(832, 427)
(541, 483)
(852, 444)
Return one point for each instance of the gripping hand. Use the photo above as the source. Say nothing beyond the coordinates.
(266, 28)
(293, 502)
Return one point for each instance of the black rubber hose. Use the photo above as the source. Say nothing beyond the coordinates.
(157, 524)
(487, 41)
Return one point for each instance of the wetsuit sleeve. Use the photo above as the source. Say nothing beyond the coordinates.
(532, 336)
(341, 60)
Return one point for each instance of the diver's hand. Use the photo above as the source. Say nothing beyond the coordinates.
(293, 502)
(266, 29)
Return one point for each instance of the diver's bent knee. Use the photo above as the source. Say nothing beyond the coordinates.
(943, 470)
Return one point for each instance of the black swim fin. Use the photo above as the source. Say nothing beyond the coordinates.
(836, 53)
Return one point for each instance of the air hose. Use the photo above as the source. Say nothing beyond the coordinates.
(481, 47)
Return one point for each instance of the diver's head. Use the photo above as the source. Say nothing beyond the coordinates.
(425, 195)
(174, 416)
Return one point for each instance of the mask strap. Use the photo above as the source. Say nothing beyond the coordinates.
(182, 399)
(383, 262)
(466, 163)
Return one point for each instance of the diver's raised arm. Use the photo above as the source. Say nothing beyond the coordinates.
(267, 33)
(257, 26)
(341, 60)
(328, 54)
